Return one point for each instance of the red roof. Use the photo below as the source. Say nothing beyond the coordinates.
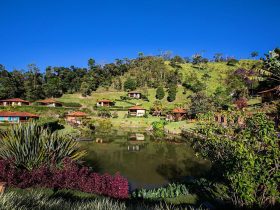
(104, 100)
(77, 114)
(179, 110)
(14, 100)
(137, 108)
(17, 114)
(48, 101)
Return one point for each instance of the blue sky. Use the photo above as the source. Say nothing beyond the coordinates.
(69, 32)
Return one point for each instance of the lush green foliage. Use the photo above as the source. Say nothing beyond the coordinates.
(160, 93)
(247, 158)
(130, 84)
(171, 191)
(30, 146)
(172, 91)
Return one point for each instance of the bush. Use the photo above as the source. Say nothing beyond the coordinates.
(72, 104)
(171, 191)
(232, 62)
(30, 146)
(160, 93)
(104, 112)
(69, 176)
(130, 84)
(172, 91)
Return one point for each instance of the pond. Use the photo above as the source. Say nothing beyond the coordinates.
(145, 162)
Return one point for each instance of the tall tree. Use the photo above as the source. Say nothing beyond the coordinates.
(160, 93)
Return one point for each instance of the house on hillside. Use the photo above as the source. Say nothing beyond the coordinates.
(16, 117)
(137, 111)
(105, 102)
(49, 103)
(14, 102)
(75, 117)
(271, 94)
(135, 94)
(179, 114)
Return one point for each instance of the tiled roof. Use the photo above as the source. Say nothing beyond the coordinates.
(77, 114)
(17, 114)
(179, 110)
(14, 100)
(137, 108)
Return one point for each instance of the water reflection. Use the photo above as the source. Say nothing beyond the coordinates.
(145, 162)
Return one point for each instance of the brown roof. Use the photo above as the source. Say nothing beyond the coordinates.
(137, 108)
(104, 100)
(17, 114)
(272, 89)
(179, 110)
(77, 114)
(48, 101)
(14, 100)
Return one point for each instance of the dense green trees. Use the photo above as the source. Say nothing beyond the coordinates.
(130, 84)
(247, 157)
(172, 91)
(160, 93)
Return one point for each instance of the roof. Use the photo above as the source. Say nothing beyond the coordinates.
(14, 100)
(77, 114)
(104, 100)
(17, 114)
(272, 89)
(48, 101)
(137, 108)
(179, 110)
(134, 92)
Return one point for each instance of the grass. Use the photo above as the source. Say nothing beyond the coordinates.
(46, 199)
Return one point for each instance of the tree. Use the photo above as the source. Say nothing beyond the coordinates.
(172, 91)
(33, 83)
(218, 57)
(130, 84)
(85, 89)
(254, 54)
(201, 103)
(160, 93)
(246, 157)
(52, 88)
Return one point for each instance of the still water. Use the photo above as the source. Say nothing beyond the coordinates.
(145, 162)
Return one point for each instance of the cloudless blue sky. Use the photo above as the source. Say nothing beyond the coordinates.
(69, 32)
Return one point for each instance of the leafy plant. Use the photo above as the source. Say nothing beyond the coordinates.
(30, 146)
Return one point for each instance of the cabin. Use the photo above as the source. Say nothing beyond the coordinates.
(14, 102)
(271, 94)
(134, 94)
(49, 103)
(75, 117)
(136, 111)
(105, 102)
(179, 114)
(16, 117)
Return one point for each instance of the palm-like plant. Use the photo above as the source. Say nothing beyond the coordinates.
(30, 146)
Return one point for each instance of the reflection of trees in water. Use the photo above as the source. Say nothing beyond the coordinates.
(176, 172)
(93, 161)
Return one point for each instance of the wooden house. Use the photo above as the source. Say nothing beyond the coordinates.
(16, 117)
(75, 117)
(179, 114)
(137, 111)
(14, 102)
(271, 94)
(104, 102)
(135, 94)
(49, 103)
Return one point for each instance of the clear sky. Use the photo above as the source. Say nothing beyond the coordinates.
(69, 32)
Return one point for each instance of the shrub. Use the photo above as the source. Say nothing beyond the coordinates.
(72, 104)
(104, 112)
(241, 103)
(160, 93)
(171, 191)
(30, 146)
(172, 91)
(69, 176)
(130, 84)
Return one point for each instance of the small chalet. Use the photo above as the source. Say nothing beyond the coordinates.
(271, 94)
(14, 102)
(179, 114)
(75, 117)
(137, 111)
(16, 117)
(104, 102)
(134, 94)
(49, 102)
